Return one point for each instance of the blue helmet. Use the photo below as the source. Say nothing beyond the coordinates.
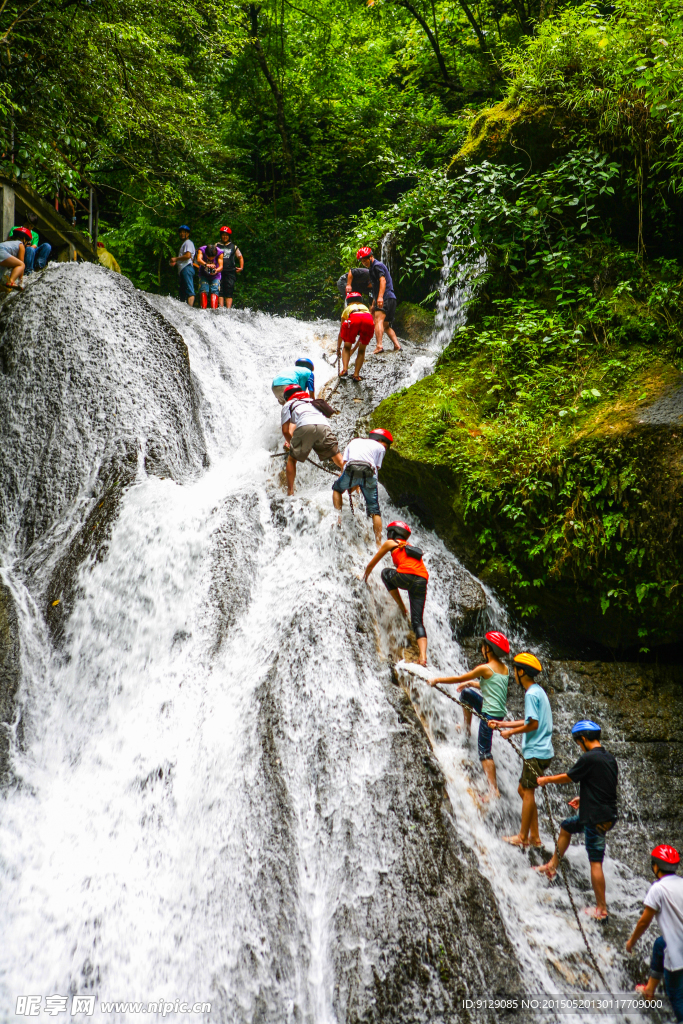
(184, 227)
(590, 730)
(305, 362)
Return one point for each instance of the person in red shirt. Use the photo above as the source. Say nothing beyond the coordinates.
(357, 329)
(410, 573)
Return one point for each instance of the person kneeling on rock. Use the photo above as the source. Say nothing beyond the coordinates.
(485, 689)
(305, 427)
(410, 573)
(362, 460)
(597, 773)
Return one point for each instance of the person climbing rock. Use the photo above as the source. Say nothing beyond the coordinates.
(37, 253)
(361, 461)
(409, 573)
(664, 901)
(485, 689)
(12, 254)
(304, 428)
(184, 261)
(384, 302)
(357, 279)
(233, 264)
(597, 773)
(357, 328)
(537, 744)
(210, 263)
(301, 375)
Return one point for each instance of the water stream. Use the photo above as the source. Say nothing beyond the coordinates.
(217, 791)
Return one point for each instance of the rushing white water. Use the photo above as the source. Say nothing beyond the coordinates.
(203, 803)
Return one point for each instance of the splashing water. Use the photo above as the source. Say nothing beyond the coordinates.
(216, 794)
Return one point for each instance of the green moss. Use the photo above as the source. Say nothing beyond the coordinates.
(413, 322)
(534, 457)
(511, 132)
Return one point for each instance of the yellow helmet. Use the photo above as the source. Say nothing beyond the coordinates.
(530, 660)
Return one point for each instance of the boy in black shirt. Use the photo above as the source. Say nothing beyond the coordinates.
(597, 773)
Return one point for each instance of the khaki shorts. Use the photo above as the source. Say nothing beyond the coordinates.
(316, 436)
(533, 769)
(279, 392)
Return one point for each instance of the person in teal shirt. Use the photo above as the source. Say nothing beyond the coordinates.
(485, 690)
(537, 744)
(302, 374)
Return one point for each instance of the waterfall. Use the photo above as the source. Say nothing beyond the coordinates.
(460, 269)
(219, 793)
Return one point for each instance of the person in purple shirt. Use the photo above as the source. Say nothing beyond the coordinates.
(384, 303)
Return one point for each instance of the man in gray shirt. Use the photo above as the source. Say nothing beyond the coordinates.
(184, 262)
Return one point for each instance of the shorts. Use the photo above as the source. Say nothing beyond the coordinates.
(532, 769)
(359, 325)
(417, 592)
(279, 392)
(316, 436)
(594, 838)
(228, 281)
(186, 282)
(389, 310)
(475, 699)
(212, 286)
(364, 477)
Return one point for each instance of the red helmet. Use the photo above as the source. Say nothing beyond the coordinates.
(354, 297)
(666, 859)
(226, 229)
(294, 391)
(16, 232)
(499, 640)
(399, 528)
(378, 434)
(364, 253)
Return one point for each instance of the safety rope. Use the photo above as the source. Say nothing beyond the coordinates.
(553, 830)
(280, 455)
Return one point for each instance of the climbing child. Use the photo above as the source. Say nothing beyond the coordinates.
(597, 773)
(485, 689)
(357, 329)
(410, 573)
(537, 744)
(362, 460)
(210, 263)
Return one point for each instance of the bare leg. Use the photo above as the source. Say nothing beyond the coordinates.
(17, 268)
(490, 772)
(338, 461)
(422, 647)
(291, 474)
(392, 335)
(221, 300)
(346, 356)
(377, 527)
(550, 869)
(337, 500)
(190, 300)
(467, 714)
(529, 821)
(399, 601)
(360, 359)
(228, 303)
(598, 883)
(379, 331)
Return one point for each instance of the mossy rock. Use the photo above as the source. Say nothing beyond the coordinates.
(9, 670)
(513, 133)
(413, 322)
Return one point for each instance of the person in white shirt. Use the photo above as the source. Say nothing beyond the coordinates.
(362, 459)
(304, 428)
(184, 261)
(665, 902)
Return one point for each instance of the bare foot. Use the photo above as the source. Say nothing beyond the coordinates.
(596, 913)
(547, 870)
(515, 840)
(493, 794)
(536, 843)
(377, 352)
(397, 347)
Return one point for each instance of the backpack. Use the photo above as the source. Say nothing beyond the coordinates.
(321, 405)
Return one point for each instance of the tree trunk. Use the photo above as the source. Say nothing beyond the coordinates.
(434, 43)
(280, 118)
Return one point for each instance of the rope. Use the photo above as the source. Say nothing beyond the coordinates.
(318, 465)
(553, 830)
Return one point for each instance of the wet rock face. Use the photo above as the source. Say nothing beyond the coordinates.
(640, 709)
(467, 604)
(71, 424)
(9, 670)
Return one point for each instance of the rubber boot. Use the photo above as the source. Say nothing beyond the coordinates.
(214, 301)
(202, 300)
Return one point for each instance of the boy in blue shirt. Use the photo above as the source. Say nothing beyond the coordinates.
(302, 374)
(537, 744)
